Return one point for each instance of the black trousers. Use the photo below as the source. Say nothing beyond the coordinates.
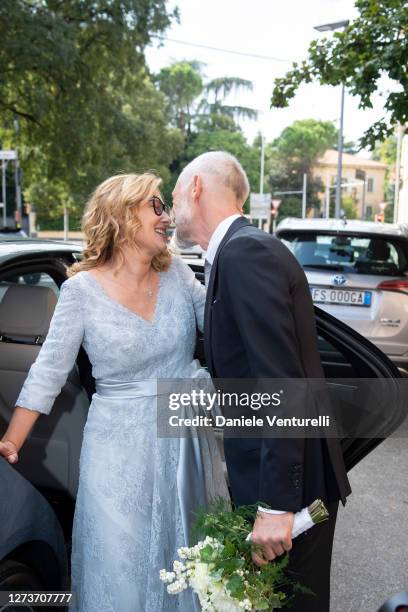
(309, 564)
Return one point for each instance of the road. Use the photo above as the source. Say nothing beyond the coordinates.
(370, 556)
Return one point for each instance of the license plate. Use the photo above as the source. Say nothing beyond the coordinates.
(345, 297)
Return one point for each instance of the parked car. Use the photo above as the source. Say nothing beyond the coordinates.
(32, 546)
(49, 460)
(193, 251)
(12, 233)
(358, 272)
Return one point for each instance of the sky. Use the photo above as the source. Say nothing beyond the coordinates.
(280, 29)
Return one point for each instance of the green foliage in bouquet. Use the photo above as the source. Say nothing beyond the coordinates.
(232, 562)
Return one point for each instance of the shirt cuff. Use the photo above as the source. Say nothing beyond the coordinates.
(270, 511)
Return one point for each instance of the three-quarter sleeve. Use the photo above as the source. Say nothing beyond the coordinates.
(196, 290)
(57, 356)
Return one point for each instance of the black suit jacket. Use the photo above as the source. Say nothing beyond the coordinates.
(259, 323)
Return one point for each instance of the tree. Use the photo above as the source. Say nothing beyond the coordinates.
(348, 205)
(304, 141)
(374, 45)
(349, 147)
(134, 137)
(215, 93)
(194, 103)
(74, 75)
(181, 83)
(386, 152)
(233, 142)
(200, 109)
(293, 154)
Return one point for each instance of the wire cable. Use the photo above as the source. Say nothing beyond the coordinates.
(219, 49)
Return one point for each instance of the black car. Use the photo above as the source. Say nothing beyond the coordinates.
(49, 460)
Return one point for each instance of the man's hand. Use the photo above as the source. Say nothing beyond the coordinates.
(273, 532)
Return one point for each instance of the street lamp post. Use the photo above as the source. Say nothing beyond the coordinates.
(337, 206)
(400, 133)
(304, 197)
(327, 27)
(4, 190)
(261, 177)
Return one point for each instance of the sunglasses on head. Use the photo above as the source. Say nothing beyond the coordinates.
(159, 206)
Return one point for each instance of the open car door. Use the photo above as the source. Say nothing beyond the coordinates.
(351, 364)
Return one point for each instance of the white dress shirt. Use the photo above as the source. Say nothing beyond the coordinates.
(217, 237)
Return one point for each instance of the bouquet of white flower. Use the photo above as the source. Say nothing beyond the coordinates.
(219, 567)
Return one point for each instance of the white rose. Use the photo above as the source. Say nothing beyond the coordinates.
(200, 578)
(222, 600)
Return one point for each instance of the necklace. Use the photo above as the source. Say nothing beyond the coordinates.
(147, 292)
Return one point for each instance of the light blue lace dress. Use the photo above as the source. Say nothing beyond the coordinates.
(136, 491)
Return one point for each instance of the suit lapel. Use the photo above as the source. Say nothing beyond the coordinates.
(236, 225)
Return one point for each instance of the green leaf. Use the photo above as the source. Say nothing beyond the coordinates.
(206, 553)
(373, 45)
(217, 574)
(236, 586)
(229, 549)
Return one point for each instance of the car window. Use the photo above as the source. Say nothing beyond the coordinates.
(39, 279)
(375, 255)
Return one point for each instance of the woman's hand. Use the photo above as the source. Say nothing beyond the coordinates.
(8, 450)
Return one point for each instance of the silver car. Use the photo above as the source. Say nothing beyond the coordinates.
(358, 272)
(193, 251)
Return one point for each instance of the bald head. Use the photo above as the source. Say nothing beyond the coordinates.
(219, 170)
(211, 188)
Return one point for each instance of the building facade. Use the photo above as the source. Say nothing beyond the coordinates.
(362, 180)
(402, 214)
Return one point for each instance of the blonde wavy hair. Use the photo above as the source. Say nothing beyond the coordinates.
(110, 220)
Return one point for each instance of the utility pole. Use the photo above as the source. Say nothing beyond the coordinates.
(261, 178)
(327, 198)
(340, 159)
(17, 177)
(17, 182)
(4, 190)
(66, 223)
(5, 157)
(304, 195)
(400, 133)
(330, 27)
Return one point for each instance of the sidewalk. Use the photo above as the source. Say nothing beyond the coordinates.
(57, 235)
(370, 548)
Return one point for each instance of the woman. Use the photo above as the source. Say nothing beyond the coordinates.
(134, 308)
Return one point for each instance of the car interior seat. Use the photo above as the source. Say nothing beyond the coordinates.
(305, 254)
(50, 456)
(341, 250)
(377, 259)
(378, 250)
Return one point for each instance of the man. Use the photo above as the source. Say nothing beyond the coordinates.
(259, 324)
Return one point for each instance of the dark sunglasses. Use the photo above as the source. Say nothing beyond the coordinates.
(159, 206)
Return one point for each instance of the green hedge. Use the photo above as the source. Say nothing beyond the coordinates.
(45, 223)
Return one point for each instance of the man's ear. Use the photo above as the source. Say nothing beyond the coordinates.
(197, 188)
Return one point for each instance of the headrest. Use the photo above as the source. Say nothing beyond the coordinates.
(378, 249)
(26, 310)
